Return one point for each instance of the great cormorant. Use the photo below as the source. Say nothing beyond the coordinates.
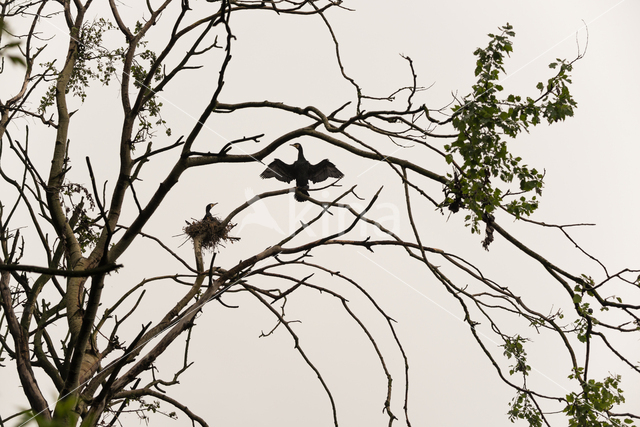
(208, 210)
(302, 172)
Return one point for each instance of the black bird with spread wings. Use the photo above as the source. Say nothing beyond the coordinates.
(302, 172)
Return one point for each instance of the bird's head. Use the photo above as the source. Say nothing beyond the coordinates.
(296, 145)
(210, 205)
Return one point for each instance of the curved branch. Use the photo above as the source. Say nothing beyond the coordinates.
(130, 394)
(297, 346)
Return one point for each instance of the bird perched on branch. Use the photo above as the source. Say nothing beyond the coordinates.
(208, 210)
(302, 172)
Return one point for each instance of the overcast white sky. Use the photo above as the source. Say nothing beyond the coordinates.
(591, 176)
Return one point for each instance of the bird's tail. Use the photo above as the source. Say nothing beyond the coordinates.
(298, 194)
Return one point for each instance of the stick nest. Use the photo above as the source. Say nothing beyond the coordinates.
(210, 232)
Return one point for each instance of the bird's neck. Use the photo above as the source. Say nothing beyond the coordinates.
(300, 155)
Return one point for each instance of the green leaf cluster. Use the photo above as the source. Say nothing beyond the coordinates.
(514, 347)
(7, 49)
(522, 408)
(152, 106)
(93, 62)
(84, 226)
(485, 120)
(91, 53)
(149, 116)
(590, 408)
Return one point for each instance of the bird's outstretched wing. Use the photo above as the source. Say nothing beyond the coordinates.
(323, 170)
(279, 170)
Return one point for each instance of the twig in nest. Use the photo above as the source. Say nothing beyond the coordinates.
(210, 232)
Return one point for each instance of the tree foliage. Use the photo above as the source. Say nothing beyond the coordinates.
(63, 242)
